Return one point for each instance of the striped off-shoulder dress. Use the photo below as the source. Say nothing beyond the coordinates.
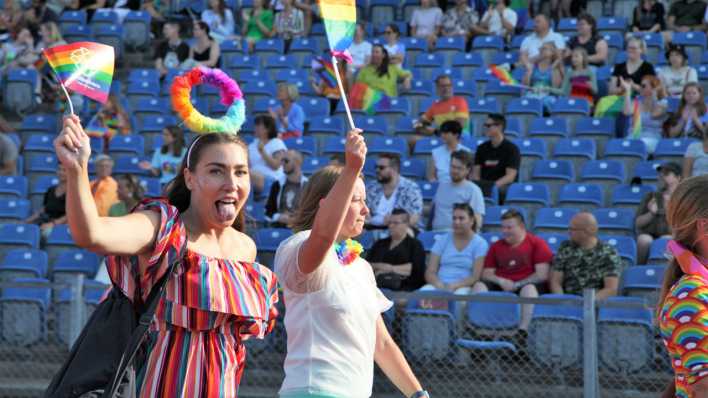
(211, 305)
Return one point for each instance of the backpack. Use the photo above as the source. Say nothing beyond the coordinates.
(103, 359)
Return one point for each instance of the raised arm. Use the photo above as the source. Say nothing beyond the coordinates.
(333, 208)
(128, 235)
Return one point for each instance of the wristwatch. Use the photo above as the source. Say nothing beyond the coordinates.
(420, 394)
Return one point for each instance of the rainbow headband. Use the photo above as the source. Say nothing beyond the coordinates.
(231, 96)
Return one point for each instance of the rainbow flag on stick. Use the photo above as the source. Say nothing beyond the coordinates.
(83, 67)
(503, 75)
(636, 120)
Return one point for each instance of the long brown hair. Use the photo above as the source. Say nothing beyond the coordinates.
(177, 143)
(686, 206)
(317, 187)
(700, 106)
(177, 192)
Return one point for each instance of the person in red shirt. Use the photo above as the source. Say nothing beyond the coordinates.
(519, 263)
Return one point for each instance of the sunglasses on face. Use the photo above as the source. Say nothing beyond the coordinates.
(285, 160)
(489, 125)
(380, 167)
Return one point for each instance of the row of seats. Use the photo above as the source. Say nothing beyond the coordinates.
(34, 263)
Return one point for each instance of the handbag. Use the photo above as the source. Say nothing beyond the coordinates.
(390, 281)
(103, 359)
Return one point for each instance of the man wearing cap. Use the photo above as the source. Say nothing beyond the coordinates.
(104, 188)
(650, 221)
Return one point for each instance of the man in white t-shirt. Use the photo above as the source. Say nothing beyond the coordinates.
(542, 33)
(360, 49)
(499, 20)
(458, 190)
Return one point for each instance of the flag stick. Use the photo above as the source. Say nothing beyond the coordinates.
(342, 93)
(66, 93)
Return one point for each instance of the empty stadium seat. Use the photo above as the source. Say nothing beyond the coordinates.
(326, 126)
(270, 46)
(305, 145)
(267, 241)
(428, 189)
(658, 251)
(615, 221)
(315, 107)
(39, 123)
(553, 173)
(58, 241)
(531, 149)
(428, 238)
(428, 334)
(625, 335)
(395, 145)
(23, 263)
(672, 149)
(426, 62)
(625, 195)
(69, 263)
(151, 186)
(556, 333)
(570, 108)
(628, 151)
(111, 36)
(479, 109)
(581, 196)
(598, 129)
(14, 210)
(333, 145)
(525, 109)
(551, 129)
(467, 62)
(136, 27)
(243, 62)
(643, 281)
(371, 124)
(531, 196)
(13, 187)
(577, 150)
(607, 173)
(553, 240)
(491, 318)
(23, 236)
(19, 91)
(647, 171)
(312, 164)
(131, 144)
(72, 18)
(24, 312)
(487, 46)
(553, 219)
(626, 247)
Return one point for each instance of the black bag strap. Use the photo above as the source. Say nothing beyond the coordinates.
(138, 335)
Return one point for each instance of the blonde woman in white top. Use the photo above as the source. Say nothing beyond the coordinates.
(333, 307)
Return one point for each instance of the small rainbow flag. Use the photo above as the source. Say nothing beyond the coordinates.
(636, 120)
(340, 23)
(84, 67)
(325, 70)
(368, 99)
(503, 75)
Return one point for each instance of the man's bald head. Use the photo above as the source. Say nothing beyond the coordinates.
(295, 156)
(583, 228)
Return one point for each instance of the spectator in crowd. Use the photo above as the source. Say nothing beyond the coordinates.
(458, 190)
(289, 23)
(20, 52)
(542, 33)
(50, 35)
(459, 20)
(678, 72)
(205, 51)
(166, 161)
(130, 193)
(265, 153)
(360, 49)
(561, 8)
(457, 258)
(498, 20)
(426, 22)
(396, 49)
(381, 75)
(8, 155)
(172, 52)
(158, 10)
(497, 161)
(289, 115)
(651, 214)
(398, 260)
(258, 23)
(104, 188)
(579, 80)
(439, 166)
(53, 210)
(590, 40)
(690, 118)
(634, 68)
(37, 14)
(90, 6)
(447, 107)
(285, 191)
(220, 20)
(545, 75)
(110, 120)
(585, 262)
(648, 17)
(11, 17)
(518, 263)
(5, 126)
(685, 16)
(324, 85)
(392, 191)
(652, 109)
(695, 162)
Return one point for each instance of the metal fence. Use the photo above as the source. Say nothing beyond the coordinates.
(466, 347)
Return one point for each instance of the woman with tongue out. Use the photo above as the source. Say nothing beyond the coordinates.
(216, 297)
(333, 318)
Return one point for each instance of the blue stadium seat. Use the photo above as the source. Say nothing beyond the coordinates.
(23, 263)
(413, 168)
(305, 145)
(625, 336)
(581, 196)
(280, 61)
(23, 236)
(158, 106)
(449, 47)
(243, 62)
(76, 33)
(565, 106)
(553, 240)
(531, 196)
(312, 164)
(397, 145)
(487, 46)
(230, 48)
(428, 334)
(142, 89)
(381, 12)
(467, 61)
(254, 75)
(625, 195)
(525, 110)
(155, 124)
(327, 125)
(152, 186)
(493, 214)
(104, 18)
(128, 164)
(69, 263)
(315, 107)
(577, 150)
(72, 18)
(333, 145)
(615, 44)
(14, 210)
(556, 333)
(551, 128)
(428, 238)
(395, 109)
(24, 311)
(39, 123)
(19, 90)
(493, 317)
(465, 87)
(505, 57)
(428, 189)
(136, 28)
(266, 88)
(672, 149)
(517, 40)
(270, 46)
(626, 247)
(414, 45)
(112, 36)
(553, 219)
(304, 45)
(404, 126)
(491, 237)
(615, 221)
(504, 93)
(643, 281)
(647, 171)
(13, 187)
(133, 144)
(420, 88)
(426, 62)
(261, 105)
(371, 124)
(144, 74)
(553, 173)
(267, 241)
(658, 251)
(479, 109)
(567, 25)
(598, 129)
(694, 42)
(424, 147)
(607, 173)
(612, 25)
(531, 149)
(256, 212)
(628, 151)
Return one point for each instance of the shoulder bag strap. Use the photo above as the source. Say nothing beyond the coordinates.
(138, 336)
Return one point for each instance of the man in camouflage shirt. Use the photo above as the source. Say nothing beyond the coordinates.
(584, 261)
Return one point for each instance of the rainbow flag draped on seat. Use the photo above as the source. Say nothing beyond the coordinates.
(84, 67)
(362, 96)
